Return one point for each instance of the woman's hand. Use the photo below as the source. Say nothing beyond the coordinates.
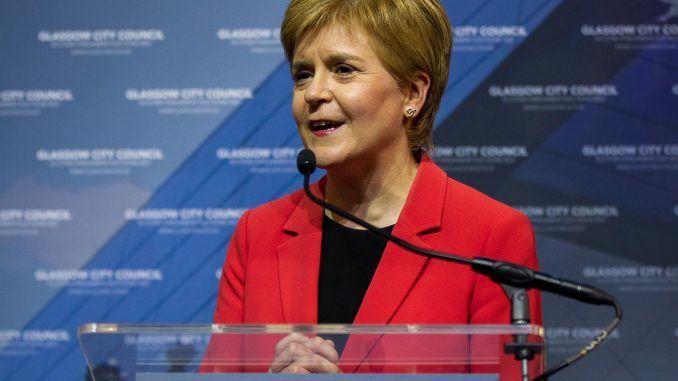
(297, 353)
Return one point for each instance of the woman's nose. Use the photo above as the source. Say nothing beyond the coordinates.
(318, 91)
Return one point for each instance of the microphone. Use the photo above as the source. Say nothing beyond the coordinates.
(306, 162)
(499, 271)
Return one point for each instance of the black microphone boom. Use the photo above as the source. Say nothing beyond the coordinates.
(501, 272)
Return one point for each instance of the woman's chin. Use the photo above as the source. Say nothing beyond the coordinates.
(327, 157)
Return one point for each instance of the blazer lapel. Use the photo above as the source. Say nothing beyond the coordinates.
(396, 274)
(299, 261)
(399, 269)
(298, 265)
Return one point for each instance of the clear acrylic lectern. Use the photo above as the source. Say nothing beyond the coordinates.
(132, 352)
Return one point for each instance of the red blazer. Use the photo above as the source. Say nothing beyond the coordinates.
(271, 269)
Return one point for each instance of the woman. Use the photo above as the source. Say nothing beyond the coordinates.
(368, 79)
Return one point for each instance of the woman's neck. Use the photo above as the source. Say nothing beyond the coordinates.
(376, 192)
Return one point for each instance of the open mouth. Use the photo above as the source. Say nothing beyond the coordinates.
(324, 125)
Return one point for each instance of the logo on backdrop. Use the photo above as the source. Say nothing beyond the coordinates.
(99, 161)
(170, 221)
(102, 281)
(662, 35)
(634, 157)
(482, 38)
(14, 342)
(32, 102)
(256, 40)
(261, 159)
(568, 218)
(553, 97)
(101, 42)
(634, 278)
(567, 339)
(192, 100)
(674, 89)
(478, 158)
(15, 222)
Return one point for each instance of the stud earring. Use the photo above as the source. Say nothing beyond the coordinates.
(410, 111)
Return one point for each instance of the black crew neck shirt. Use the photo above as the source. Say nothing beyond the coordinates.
(348, 260)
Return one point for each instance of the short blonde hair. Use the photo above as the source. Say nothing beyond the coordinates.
(408, 36)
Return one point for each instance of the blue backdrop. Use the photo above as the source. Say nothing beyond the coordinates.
(134, 134)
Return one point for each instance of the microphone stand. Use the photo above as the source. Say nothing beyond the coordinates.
(521, 349)
(514, 279)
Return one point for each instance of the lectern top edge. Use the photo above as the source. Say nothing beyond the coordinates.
(120, 328)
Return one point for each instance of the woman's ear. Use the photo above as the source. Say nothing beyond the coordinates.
(415, 94)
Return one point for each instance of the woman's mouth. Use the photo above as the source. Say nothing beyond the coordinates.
(324, 127)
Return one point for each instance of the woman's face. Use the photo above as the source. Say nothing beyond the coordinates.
(347, 106)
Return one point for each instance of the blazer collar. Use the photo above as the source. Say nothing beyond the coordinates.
(299, 258)
(422, 212)
(423, 209)
(307, 216)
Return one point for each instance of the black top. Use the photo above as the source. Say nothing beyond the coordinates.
(348, 260)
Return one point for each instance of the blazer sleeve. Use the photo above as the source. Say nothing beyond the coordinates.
(230, 300)
(510, 239)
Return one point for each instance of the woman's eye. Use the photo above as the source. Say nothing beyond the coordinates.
(343, 69)
(301, 76)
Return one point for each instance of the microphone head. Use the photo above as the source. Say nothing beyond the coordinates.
(306, 161)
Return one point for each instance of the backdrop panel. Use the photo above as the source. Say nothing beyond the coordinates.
(133, 135)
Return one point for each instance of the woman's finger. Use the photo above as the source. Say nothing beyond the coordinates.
(291, 353)
(311, 364)
(291, 338)
(324, 348)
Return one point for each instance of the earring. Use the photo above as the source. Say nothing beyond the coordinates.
(410, 111)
